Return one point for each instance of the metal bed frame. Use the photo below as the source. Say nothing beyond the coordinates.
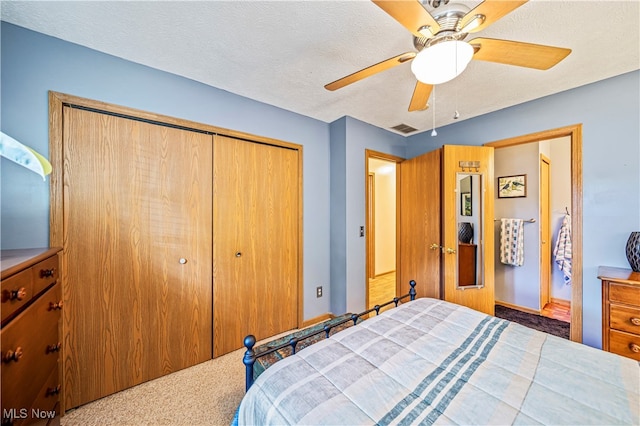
(250, 356)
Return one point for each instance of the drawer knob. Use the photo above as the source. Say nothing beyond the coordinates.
(13, 355)
(635, 321)
(55, 305)
(46, 273)
(53, 391)
(634, 347)
(54, 348)
(19, 294)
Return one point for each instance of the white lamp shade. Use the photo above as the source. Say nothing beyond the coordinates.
(442, 62)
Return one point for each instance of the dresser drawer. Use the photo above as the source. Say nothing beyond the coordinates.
(17, 290)
(622, 293)
(29, 351)
(45, 273)
(46, 406)
(625, 344)
(625, 318)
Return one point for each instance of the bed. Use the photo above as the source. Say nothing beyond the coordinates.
(430, 361)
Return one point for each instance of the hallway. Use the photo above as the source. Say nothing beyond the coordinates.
(382, 289)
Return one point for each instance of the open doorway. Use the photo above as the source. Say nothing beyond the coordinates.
(381, 229)
(564, 200)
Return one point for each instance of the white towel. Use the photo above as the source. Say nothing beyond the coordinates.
(512, 242)
(563, 250)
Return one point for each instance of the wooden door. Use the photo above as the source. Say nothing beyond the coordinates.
(256, 241)
(137, 267)
(419, 228)
(478, 298)
(545, 233)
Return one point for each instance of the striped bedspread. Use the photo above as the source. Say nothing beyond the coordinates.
(431, 361)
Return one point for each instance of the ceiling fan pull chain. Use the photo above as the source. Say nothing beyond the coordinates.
(433, 132)
(456, 114)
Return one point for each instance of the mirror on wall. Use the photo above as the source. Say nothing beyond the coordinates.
(470, 230)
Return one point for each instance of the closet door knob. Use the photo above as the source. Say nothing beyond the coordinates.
(182, 261)
(434, 246)
(239, 254)
(450, 250)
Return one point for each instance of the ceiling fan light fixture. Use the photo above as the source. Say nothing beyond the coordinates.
(473, 24)
(442, 62)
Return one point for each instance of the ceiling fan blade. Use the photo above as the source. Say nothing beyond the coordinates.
(492, 10)
(411, 14)
(420, 97)
(509, 52)
(369, 71)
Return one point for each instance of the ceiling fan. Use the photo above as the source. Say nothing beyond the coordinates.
(441, 52)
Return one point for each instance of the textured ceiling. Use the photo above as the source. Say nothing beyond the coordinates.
(283, 52)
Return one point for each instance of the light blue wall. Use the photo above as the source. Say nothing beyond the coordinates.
(360, 137)
(350, 138)
(33, 64)
(338, 216)
(609, 111)
(519, 285)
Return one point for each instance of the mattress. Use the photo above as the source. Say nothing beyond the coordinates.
(433, 362)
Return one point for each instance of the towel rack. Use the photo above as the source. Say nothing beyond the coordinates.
(532, 220)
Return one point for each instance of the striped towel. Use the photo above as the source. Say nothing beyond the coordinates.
(563, 249)
(512, 242)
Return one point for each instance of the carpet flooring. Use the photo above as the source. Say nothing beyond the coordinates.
(537, 322)
(205, 394)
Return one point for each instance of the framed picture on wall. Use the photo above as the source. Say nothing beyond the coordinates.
(465, 204)
(512, 186)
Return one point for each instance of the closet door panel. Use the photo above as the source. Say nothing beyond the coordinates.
(137, 200)
(255, 245)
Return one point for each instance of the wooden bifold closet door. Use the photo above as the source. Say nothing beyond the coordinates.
(256, 241)
(137, 252)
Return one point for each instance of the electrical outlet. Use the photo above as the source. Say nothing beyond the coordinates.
(319, 291)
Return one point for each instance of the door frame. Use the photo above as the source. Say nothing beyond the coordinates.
(545, 235)
(369, 233)
(370, 226)
(575, 133)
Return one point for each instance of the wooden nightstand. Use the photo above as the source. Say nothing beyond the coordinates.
(620, 311)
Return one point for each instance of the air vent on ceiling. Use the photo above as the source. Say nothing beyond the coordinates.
(404, 128)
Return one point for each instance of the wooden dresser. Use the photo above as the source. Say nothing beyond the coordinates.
(620, 311)
(29, 338)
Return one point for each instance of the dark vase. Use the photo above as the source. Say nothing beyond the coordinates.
(633, 251)
(465, 232)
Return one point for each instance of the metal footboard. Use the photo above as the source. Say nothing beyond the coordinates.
(250, 355)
